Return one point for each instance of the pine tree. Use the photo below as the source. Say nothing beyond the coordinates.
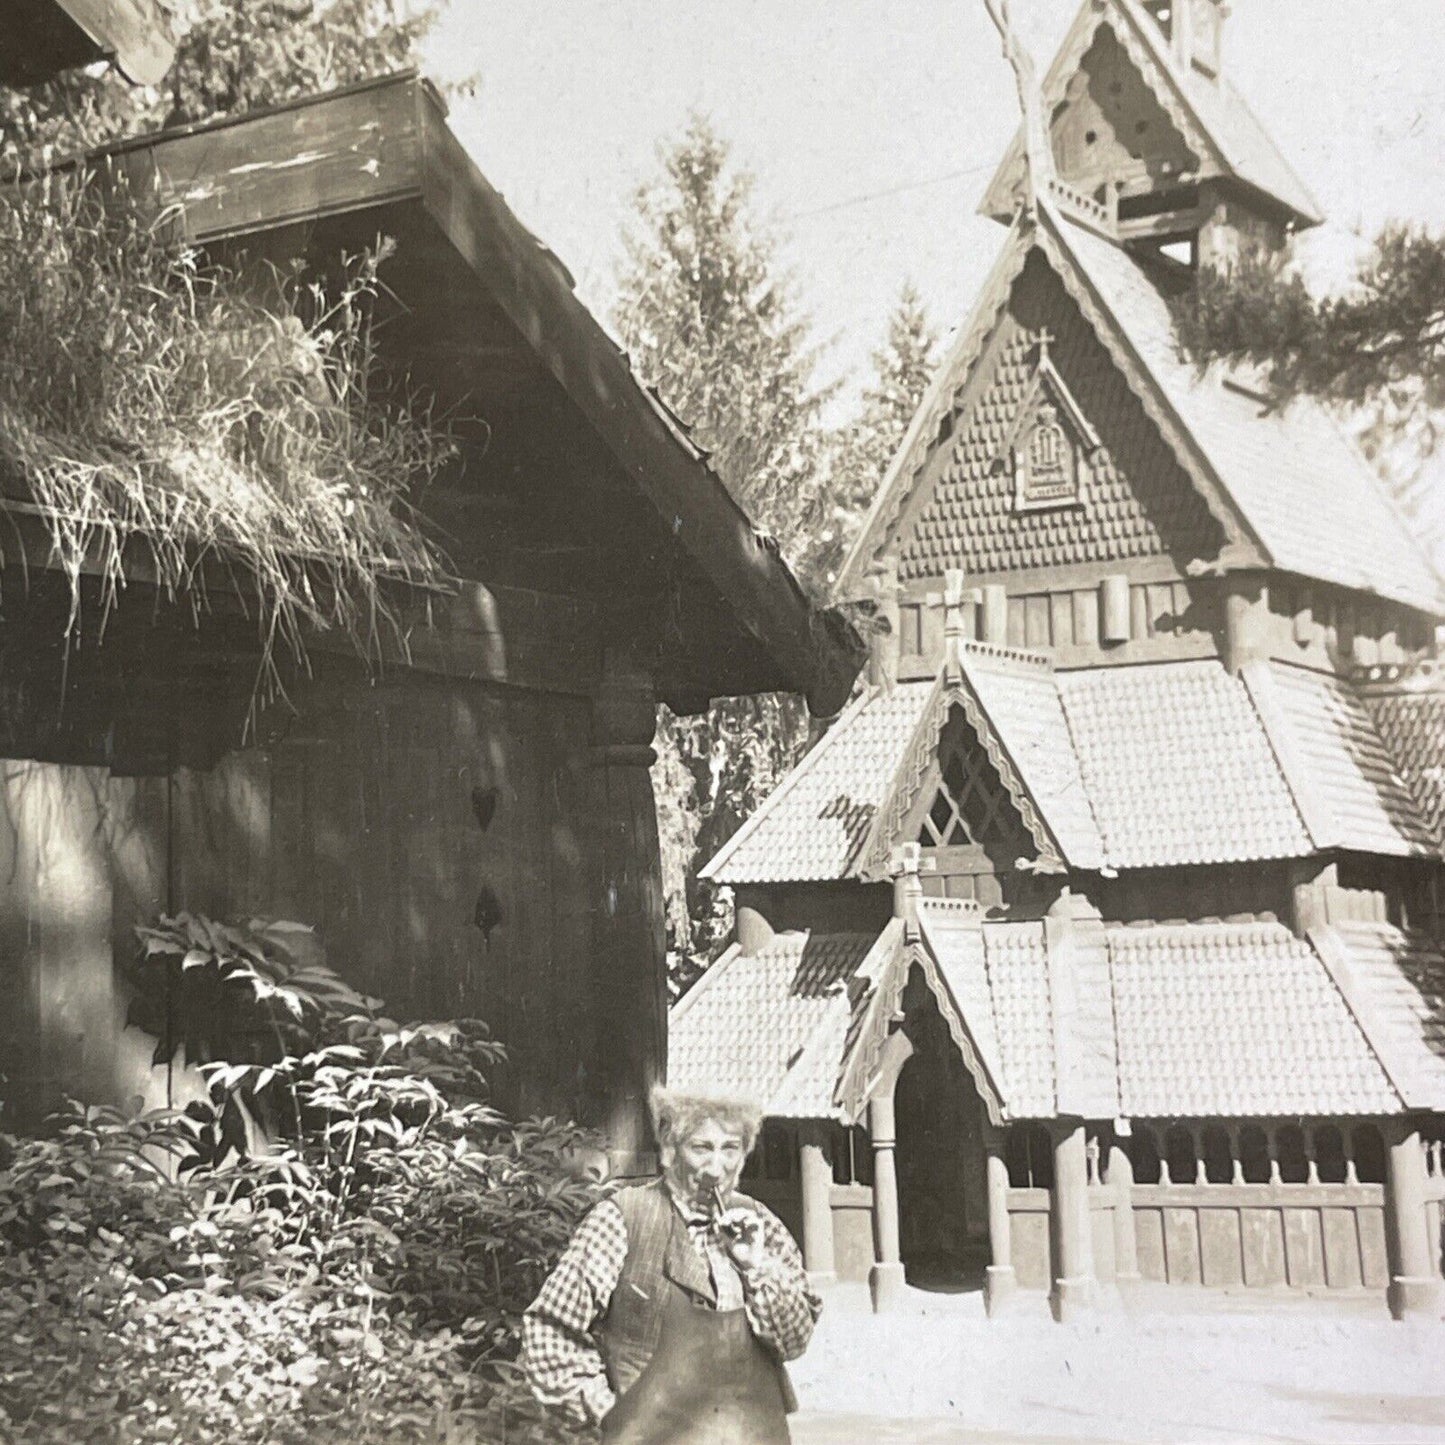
(231, 56)
(902, 369)
(711, 321)
(1376, 352)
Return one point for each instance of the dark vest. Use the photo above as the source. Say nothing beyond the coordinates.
(660, 1256)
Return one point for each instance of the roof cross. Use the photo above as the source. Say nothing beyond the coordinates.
(1045, 339)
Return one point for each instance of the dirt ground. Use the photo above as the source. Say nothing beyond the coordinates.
(939, 1372)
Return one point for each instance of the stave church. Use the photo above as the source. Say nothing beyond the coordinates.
(1094, 952)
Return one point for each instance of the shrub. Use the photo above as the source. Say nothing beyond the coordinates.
(358, 1278)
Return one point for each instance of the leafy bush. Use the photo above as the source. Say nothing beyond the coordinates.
(360, 1276)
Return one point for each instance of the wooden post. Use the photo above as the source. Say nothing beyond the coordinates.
(1114, 619)
(1000, 1280)
(1126, 1244)
(885, 1278)
(629, 952)
(995, 614)
(1415, 1285)
(815, 1169)
(1073, 1289)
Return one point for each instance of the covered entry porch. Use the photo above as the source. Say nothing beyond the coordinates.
(1073, 1108)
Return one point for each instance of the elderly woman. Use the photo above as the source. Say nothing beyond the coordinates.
(669, 1316)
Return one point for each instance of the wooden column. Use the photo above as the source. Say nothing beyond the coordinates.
(1126, 1243)
(1073, 1289)
(885, 1278)
(1000, 1280)
(815, 1169)
(1415, 1286)
(629, 950)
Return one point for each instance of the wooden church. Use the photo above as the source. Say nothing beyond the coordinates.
(1096, 947)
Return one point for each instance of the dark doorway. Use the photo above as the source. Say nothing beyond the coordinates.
(942, 1186)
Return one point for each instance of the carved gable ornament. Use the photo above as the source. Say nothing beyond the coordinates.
(1050, 441)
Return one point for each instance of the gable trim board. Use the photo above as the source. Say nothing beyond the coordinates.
(1221, 155)
(961, 368)
(876, 854)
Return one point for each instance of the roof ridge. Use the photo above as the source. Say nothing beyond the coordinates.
(1257, 679)
(1005, 652)
(1398, 679)
(800, 769)
(1329, 947)
(1236, 923)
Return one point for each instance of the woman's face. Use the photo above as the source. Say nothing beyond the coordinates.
(711, 1157)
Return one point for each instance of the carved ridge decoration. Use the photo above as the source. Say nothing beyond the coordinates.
(908, 782)
(1141, 382)
(903, 476)
(851, 1096)
(988, 1088)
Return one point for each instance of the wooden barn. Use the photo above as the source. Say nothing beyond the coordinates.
(471, 827)
(1097, 946)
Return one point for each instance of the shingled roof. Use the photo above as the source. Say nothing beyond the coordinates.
(1408, 708)
(775, 1025)
(1209, 1019)
(1160, 765)
(1289, 489)
(1302, 489)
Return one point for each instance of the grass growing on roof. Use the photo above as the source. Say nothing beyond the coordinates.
(152, 412)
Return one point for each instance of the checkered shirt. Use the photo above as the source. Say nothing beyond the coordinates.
(559, 1352)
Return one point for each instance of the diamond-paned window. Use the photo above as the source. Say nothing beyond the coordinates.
(971, 806)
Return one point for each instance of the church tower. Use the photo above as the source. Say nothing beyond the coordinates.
(1152, 146)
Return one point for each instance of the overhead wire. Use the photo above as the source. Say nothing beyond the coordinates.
(885, 192)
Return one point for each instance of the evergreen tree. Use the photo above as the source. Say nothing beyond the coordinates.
(231, 56)
(902, 368)
(711, 321)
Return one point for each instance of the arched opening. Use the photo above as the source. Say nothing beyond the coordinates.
(942, 1180)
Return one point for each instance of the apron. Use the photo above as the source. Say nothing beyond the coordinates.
(710, 1382)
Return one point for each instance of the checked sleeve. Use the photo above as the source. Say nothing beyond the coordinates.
(782, 1306)
(559, 1355)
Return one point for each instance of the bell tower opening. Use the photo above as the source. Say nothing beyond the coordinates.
(1194, 30)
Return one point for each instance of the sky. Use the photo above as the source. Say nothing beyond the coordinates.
(873, 127)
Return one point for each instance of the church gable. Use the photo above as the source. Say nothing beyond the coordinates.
(1110, 127)
(1048, 459)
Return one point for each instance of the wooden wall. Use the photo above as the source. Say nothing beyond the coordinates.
(1062, 611)
(364, 818)
(1262, 1236)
